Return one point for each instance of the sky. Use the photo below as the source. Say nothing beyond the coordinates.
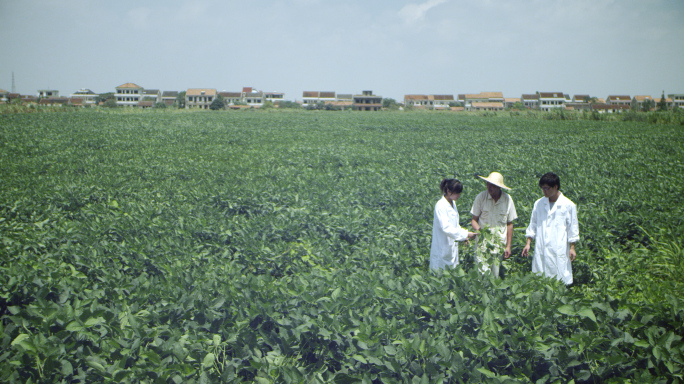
(392, 47)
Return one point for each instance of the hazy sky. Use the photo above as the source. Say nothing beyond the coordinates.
(392, 47)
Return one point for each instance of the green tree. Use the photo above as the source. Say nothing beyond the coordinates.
(518, 105)
(647, 105)
(160, 105)
(390, 103)
(103, 97)
(110, 103)
(218, 103)
(290, 104)
(180, 99)
(662, 104)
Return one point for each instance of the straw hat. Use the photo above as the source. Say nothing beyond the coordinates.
(496, 179)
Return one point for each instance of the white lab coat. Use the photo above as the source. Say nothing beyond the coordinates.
(446, 231)
(553, 229)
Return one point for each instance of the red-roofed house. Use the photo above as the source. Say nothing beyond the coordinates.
(482, 97)
(440, 101)
(638, 102)
(231, 98)
(530, 101)
(485, 106)
(551, 100)
(619, 100)
(128, 94)
(416, 100)
(199, 98)
(510, 101)
(311, 98)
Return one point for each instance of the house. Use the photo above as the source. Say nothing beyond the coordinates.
(153, 95)
(169, 97)
(128, 95)
(54, 101)
(4, 95)
(344, 101)
(677, 99)
(440, 101)
(47, 93)
(231, 98)
(199, 98)
(510, 101)
(274, 97)
(76, 102)
(637, 103)
(416, 101)
(551, 100)
(482, 97)
(367, 101)
(252, 97)
(87, 96)
(669, 101)
(581, 99)
(578, 105)
(485, 106)
(619, 100)
(609, 108)
(28, 99)
(145, 104)
(530, 101)
(311, 98)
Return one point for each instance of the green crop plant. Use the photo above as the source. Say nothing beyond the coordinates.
(269, 246)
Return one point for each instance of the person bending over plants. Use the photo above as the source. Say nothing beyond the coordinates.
(554, 228)
(446, 230)
(494, 209)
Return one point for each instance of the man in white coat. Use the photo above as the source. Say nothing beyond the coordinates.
(554, 228)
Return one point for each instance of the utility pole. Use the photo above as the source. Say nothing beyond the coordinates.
(14, 89)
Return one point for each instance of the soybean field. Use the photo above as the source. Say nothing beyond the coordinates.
(293, 247)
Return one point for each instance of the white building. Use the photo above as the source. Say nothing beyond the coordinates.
(128, 95)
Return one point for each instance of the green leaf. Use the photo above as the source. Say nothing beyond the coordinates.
(486, 372)
(390, 350)
(208, 360)
(587, 313)
(336, 293)
(360, 358)
(67, 368)
(93, 321)
(567, 309)
(74, 326)
(24, 341)
(218, 303)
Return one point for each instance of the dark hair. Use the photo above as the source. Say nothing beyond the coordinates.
(452, 185)
(550, 179)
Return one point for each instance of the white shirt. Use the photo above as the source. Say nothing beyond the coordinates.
(446, 231)
(494, 214)
(553, 229)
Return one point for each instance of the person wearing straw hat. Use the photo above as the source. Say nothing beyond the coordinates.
(495, 210)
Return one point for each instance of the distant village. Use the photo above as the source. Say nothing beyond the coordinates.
(133, 95)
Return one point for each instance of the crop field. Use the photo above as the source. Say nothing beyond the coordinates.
(293, 247)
